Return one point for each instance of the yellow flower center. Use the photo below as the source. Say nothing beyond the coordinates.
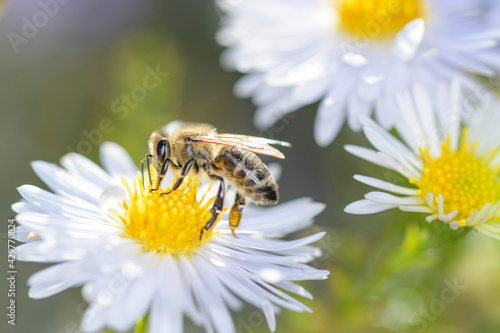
(377, 19)
(166, 223)
(465, 180)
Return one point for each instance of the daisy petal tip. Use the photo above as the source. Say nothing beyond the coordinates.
(321, 234)
(23, 189)
(316, 237)
(36, 162)
(15, 205)
(39, 165)
(322, 140)
(68, 156)
(366, 207)
(108, 147)
(358, 177)
(348, 148)
(321, 206)
(32, 296)
(353, 208)
(37, 294)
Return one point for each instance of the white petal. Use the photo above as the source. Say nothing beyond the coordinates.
(309, 92)
(135, 299)
(294, 288)
(416, 209)
(283, 218)
(357, 109)
(389, 199)
(247, 85)
(57, 278)
(243, 243)
(385, 185)
(363, 207)
(54, 204)
(270, 315)
(24, 206)
(426, 116)
(165, 317)
(86, 169)
(366, 154)
(329, 120)
(117, 161)
(409, 40)
(385, 142)
(454, 117)
(23, 233)
(62, 182)
(209, 300)
(64, 227)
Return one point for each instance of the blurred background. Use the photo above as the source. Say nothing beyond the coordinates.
(75, 74)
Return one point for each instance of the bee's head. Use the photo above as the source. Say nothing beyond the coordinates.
(162, 150)
(159, 148)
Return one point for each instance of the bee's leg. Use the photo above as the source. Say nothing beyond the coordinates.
(235, 214)
(163, 172)
(148, 156)
(217, 205)
(185, 171)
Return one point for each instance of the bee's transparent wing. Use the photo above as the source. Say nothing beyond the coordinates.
(245, 142)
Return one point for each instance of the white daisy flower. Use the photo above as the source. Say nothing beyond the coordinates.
(137, 252)
(451, 162)
(352, 55)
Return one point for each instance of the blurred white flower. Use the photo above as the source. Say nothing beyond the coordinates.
(450, 160)
(137, 252)
(352, 55)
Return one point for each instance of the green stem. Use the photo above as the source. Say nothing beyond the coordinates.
(142, 325)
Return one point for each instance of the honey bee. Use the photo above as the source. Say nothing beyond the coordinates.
(199, 151)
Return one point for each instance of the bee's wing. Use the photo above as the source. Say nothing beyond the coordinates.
(245, 142)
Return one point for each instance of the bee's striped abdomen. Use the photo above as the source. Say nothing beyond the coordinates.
(245, 171)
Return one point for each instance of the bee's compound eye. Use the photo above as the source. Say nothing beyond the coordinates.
(162, 150)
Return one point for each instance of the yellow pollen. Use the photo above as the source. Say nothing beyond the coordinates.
(168, 223)
(377, 19)
(465, 180)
